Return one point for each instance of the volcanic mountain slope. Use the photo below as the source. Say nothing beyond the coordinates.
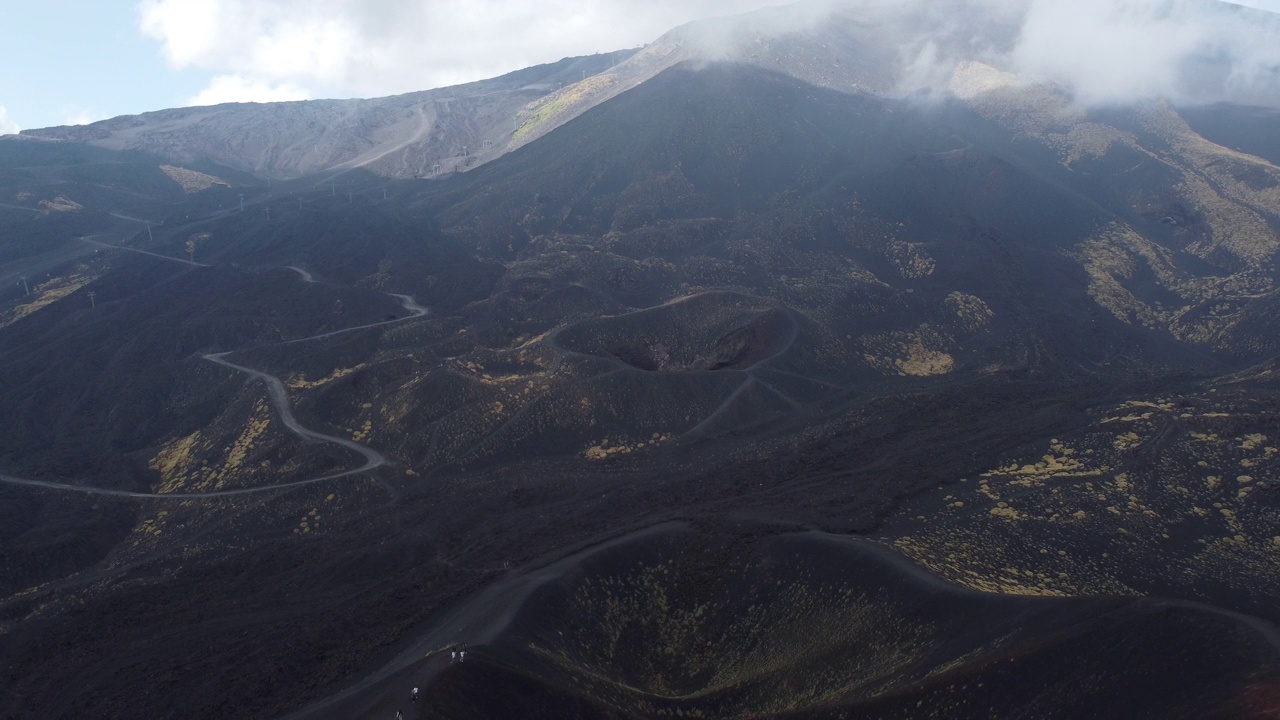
(677, 624)
(723, 294)
(866, 50)
(886, 246)
(52, 193)
(409, 135)
(1175, 494)
(888, 50)
(857, 49)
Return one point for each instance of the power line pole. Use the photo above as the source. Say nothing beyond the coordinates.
(93, 303)
(241, 202)
(25, 290)
(149, 235)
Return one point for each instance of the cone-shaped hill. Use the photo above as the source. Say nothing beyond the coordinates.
(815, 626)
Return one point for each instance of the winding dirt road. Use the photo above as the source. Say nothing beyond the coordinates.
(408, 303)
(481, 619)
(279, 397)
(484, 616)
(141, 252)
(306, 276)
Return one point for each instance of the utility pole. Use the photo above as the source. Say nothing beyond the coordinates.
(351, 196)
(384, 193)
(92, 301)
(268, 213)
(25, 290)
(241, 202)
(149, 235)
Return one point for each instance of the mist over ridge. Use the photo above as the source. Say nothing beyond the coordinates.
(1102, 52)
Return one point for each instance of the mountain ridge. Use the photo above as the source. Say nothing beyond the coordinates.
(857, 48)
(403, 135)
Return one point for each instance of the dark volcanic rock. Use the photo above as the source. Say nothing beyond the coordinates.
(1032, 346)
(813, 626)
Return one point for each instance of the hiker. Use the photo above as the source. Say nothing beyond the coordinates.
(413, 696)
(399, 715)
(462, 654)
(453, 655)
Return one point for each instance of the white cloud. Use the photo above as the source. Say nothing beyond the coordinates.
(1112, 51)
(1105, 50)
(234, 88)
(7, 126)
(77, 115)
(189, 30)
(380, 47)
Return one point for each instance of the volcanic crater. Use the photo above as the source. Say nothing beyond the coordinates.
(705, 332)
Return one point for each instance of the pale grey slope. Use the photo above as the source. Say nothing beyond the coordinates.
(862, 47)
(401, 136)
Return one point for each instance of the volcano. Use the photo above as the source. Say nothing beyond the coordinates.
(745, 384)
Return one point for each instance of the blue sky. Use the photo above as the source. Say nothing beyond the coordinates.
(67, 61)
(76, 61)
